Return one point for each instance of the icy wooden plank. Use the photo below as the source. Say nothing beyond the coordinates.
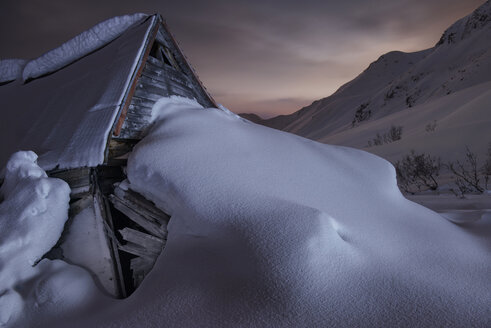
(141, 220)
(165, 73)
(142, 102)
(143, 205)
(137, 250)
(150, 243)
(149, 96)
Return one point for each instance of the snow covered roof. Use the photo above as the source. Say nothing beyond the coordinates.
(66, 117)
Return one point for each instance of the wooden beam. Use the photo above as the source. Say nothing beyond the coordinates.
(101, 207)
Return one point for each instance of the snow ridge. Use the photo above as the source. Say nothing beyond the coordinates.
(11, 69)
(79, 46)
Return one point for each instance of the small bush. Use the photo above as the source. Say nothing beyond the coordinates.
(466, 173)
(430, 127)
(394, 134)
(417, 171)
(361, 114)
(486, 169)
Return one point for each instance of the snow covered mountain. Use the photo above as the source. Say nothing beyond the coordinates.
(457, 67)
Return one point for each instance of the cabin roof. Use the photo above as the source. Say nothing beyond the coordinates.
(67, 116)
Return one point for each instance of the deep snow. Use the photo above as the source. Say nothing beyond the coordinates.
(271, 229)
(33, 211)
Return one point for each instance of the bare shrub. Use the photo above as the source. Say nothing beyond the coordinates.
(466, 173)
(486, 169)
(361, 114)
(394, 134)
(416, 172)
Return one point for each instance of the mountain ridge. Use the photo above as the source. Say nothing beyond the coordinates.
(398, 81)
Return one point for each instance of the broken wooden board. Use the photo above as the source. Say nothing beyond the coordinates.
(78, 180)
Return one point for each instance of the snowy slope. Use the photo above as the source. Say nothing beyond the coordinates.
(272, 230)
(461, 119)
(399, 81)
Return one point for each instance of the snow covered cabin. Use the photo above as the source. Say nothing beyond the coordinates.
(82, 107)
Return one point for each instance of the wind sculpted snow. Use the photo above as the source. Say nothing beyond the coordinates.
(269, 229)
(34, 209)
(272, 230)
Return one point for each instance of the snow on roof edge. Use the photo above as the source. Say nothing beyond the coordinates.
(79, 46)
(11, 69)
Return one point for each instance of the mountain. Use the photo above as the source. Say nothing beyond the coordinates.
(398, 86)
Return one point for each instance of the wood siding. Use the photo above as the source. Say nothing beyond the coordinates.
(165, 73)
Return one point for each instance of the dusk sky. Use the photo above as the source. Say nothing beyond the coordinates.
(265, 57)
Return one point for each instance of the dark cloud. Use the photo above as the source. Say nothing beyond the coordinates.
(281, 53)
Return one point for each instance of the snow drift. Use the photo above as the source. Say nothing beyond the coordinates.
(32, 215)
(270, 229)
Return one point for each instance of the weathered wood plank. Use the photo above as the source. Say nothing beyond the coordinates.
(139, 219)
(165, 73)
(160, 37)
(140, 266)
(143, 205)
(164, 88)
(102, 212)
(119, 147)
(151, 243)
(156, 62)
(144, 89)
(74, 177)
(136, 250)
(137, 101)
(79, 205)
(149, 96)
(204, 97)
(140, 111)
(165, 82)
(131, 90)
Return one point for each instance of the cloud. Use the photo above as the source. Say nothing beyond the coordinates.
(256, 50)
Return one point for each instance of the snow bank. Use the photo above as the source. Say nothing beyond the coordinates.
(11, 69)
(272, 230)
(79, 46)
(32, 215)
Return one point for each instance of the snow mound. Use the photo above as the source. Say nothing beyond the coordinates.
(11, 69)
(32, 215)
(79, 46)
(270, 229)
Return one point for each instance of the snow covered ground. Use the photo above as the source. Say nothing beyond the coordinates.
(269, 229)
(33, 211)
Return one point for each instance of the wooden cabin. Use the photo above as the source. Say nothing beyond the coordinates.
(83, 120)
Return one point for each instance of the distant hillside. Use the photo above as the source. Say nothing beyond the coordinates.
(399, 83)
